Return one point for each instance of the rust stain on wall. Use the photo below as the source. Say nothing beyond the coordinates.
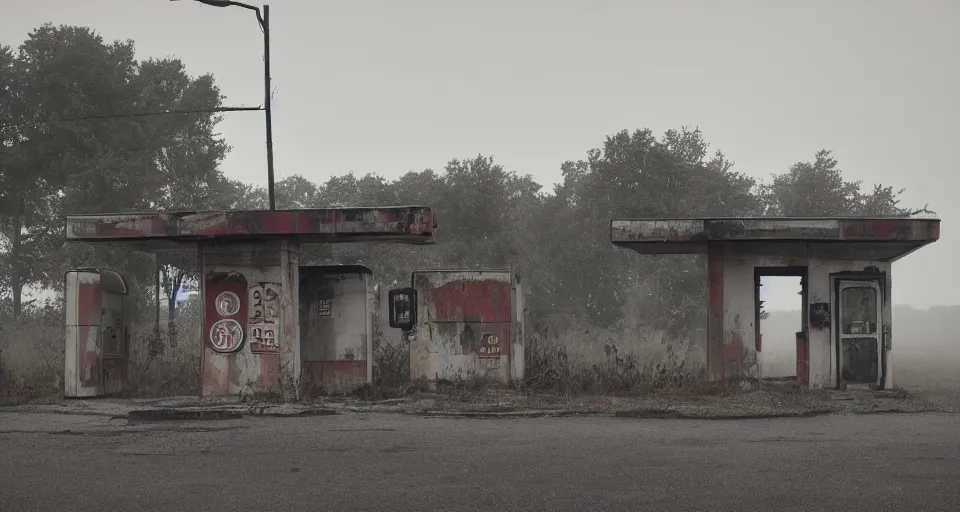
(465, 325)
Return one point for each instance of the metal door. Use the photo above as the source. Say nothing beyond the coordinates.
(860, 332)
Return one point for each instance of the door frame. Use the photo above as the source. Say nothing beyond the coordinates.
(801, 271)
(879, 279)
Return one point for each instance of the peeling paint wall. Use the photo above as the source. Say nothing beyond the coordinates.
(465, 326)
(82, 359)
(739, 319)
(290, 363)
(739, 354)
(258, 275)
(336, 327)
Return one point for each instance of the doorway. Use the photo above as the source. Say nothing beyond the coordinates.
(781, 304)
(860, 332)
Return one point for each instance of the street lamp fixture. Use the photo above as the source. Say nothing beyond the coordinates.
(263, 17)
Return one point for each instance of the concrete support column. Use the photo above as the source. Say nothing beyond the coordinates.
(715, 370)
(290, 364)
(887, 325)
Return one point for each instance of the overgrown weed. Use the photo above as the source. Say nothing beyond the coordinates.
(625, 360)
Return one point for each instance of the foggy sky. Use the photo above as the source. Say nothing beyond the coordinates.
(389, 86)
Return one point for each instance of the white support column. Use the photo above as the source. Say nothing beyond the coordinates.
(290, 320)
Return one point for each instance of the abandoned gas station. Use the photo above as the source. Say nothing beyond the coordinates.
(271, 325)
(257, 299)
(845, 337)
(274, 326)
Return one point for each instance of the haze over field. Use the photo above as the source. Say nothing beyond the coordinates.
(926, 345)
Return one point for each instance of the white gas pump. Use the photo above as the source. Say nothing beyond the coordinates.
(97, 340)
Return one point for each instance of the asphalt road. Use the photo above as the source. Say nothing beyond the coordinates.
(392, 462)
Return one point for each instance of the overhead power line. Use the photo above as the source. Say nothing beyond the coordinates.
(161, 113)
(167, 112)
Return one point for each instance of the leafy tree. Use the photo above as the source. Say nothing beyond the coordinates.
(817, 188)
(57, 73)
(59, 155)
(636, 175)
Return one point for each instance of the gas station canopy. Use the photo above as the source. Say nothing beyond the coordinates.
(883, 239)
(403, 224)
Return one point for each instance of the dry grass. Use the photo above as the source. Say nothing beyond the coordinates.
(165, 362)
(391, 365)
(629, 359)
(579, 361)
(32, 361)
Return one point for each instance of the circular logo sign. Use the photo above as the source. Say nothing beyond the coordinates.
(228, 304)
(226, 335)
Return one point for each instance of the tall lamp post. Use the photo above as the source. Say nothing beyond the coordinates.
(264, 20)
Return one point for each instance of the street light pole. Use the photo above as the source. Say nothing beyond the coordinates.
(264, 20)
(265, 23)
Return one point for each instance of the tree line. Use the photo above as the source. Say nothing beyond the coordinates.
(54, 160)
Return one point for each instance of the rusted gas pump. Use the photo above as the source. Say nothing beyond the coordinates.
(97, 337)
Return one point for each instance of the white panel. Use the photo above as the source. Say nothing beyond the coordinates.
(70, 290)
(368, 310)
(518, 344)
(739, 311)
(290, 357)
(70, 383)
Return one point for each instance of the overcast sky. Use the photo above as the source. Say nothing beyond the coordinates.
(389, 86)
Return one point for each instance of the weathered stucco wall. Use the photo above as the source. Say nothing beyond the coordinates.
(336, 315)
(739, 351)
(739, 314)
(265, 358)
(465, 326)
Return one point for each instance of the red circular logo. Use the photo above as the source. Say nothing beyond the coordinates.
(226, 335)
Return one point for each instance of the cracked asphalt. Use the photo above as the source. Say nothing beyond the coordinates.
(380, 461)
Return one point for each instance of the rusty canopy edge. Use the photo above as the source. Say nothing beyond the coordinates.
(629, 231)
(412, 224)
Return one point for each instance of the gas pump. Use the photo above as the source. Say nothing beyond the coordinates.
(97, 336)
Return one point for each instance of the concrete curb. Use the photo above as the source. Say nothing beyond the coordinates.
(663, 414)
(507, 414)
(681, 415)
(233, 413)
